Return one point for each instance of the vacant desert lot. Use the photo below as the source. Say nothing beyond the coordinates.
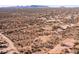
(40, 30)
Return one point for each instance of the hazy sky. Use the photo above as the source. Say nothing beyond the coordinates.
(38, 2)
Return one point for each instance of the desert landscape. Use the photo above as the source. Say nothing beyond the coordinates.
(39, 30)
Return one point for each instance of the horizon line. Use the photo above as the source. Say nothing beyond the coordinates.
(41, 5)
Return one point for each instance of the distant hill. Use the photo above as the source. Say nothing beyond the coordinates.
(13, 8)
(37, 6)
(32, 6)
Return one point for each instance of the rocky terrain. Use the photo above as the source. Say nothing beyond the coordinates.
(7, 46)
(39, 30)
